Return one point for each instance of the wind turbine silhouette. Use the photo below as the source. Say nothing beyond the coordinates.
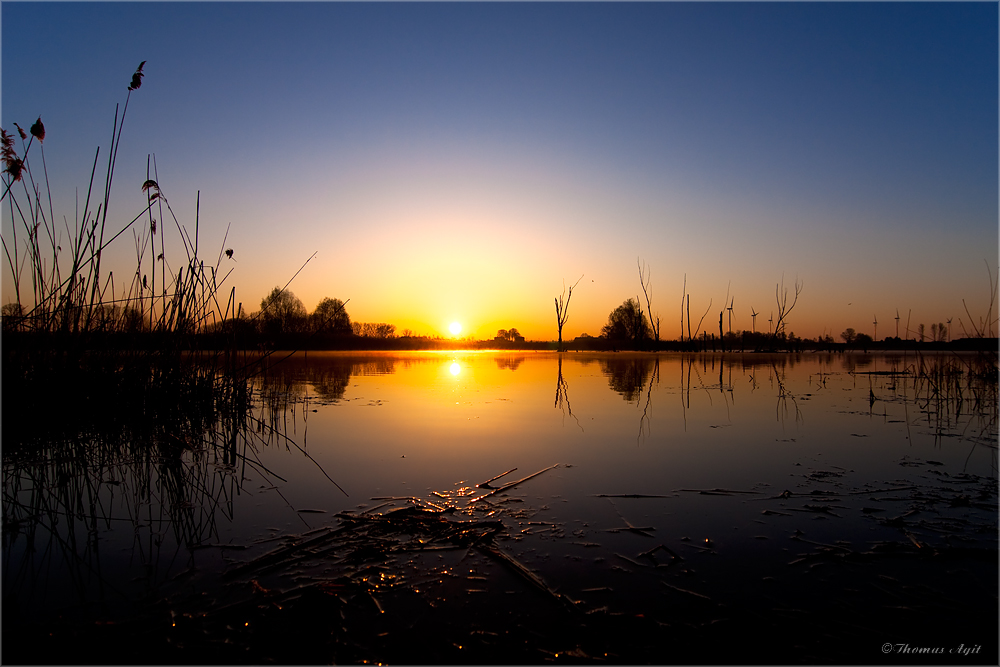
(730, 309)
(897, 323)
(753, 319)
(876, 326)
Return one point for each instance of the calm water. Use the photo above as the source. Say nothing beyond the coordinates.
(738, 464)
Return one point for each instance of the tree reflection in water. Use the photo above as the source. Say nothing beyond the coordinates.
(562, 394)
(628, 375)
(509, 363)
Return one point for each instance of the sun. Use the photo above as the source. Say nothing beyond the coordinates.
(455, 328)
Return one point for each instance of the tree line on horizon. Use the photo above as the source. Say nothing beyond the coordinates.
(282, 313)
(630, 327)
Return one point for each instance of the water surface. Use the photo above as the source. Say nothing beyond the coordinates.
(684, 489)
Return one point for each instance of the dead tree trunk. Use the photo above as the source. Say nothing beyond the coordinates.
(644, 280)
(562, 308)
(689, 316)
(683, 297)
(781, 296)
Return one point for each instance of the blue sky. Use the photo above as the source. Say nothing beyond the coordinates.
(458, 161)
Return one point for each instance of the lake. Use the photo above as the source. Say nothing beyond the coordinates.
(737, 508)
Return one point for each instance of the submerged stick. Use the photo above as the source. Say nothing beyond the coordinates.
(718, 492)
(495, 552)
(281, 554)
(629, 560)
(898, 488)
(377, 507)
(513, 484)
(239, 547)
(798, 538)
(638, 530)
(486, 484)
(684, 590)
(649, 554)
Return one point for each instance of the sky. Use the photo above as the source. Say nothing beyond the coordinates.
(462, 162)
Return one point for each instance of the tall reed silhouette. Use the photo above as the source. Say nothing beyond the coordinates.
(59, 280)
(131, 343)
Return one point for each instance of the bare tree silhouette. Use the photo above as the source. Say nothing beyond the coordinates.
(562, 308)
(683, 297)
(644, 280)
(698, 328)
(781, 296)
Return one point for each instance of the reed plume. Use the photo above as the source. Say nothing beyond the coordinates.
(137, 77)
(38, 130)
